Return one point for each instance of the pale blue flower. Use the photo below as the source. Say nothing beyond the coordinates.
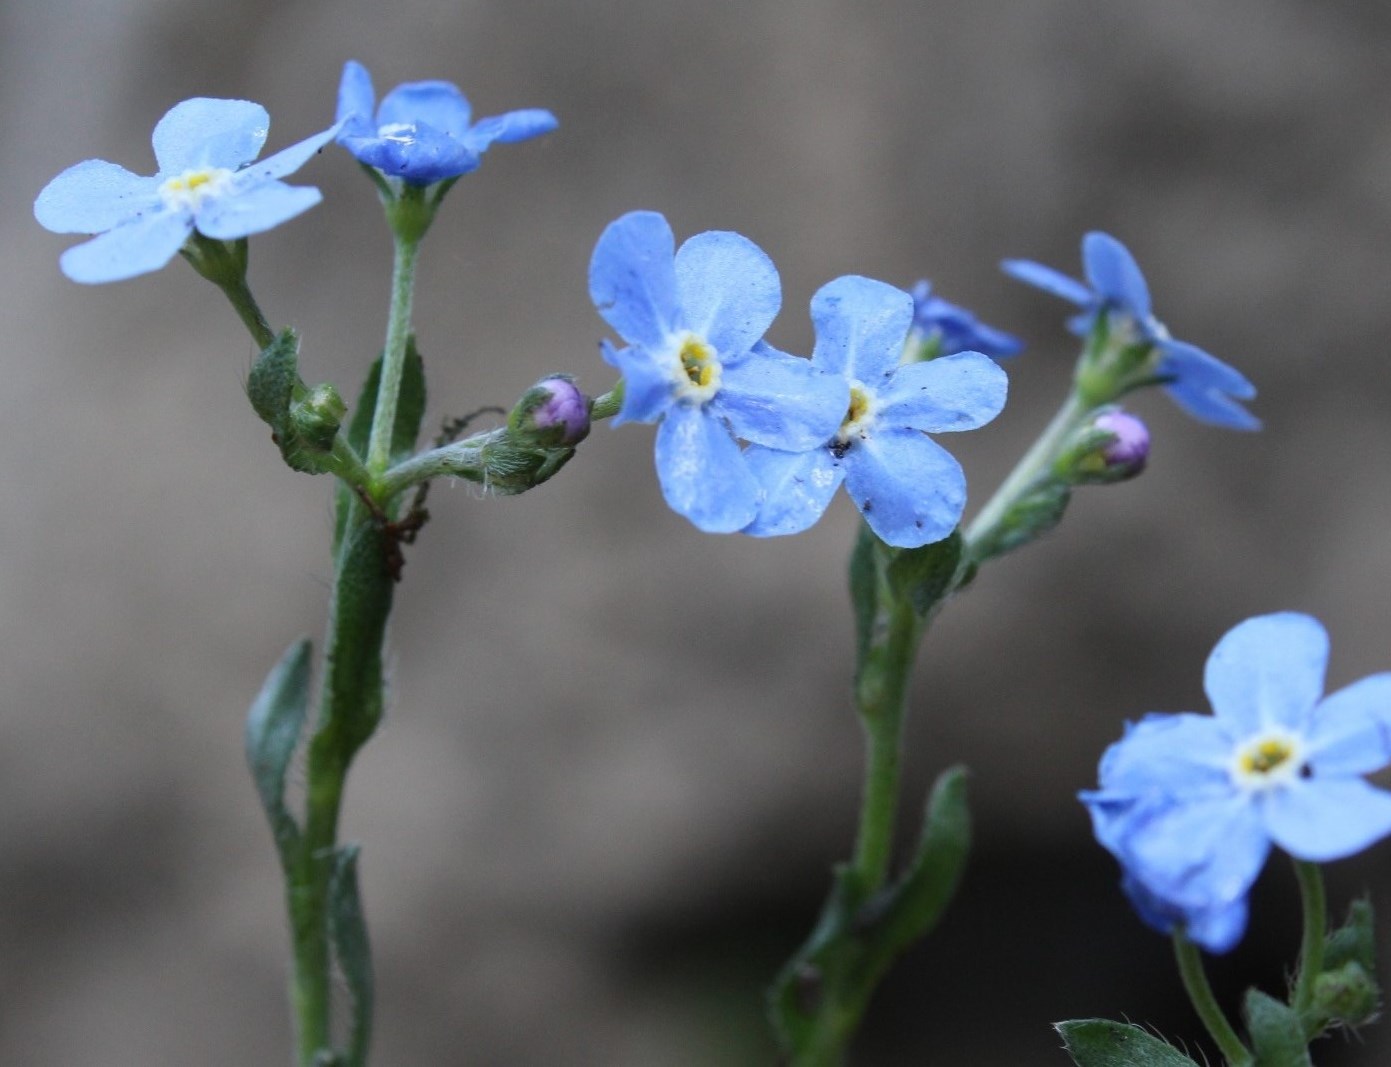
(423, 131)
(909, 488)
(1191, 804)
(694, 321)
(206, 181)
(1201, 384)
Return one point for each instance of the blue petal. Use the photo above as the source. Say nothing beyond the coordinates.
(287, 160)
(782, 401)
(254, 211)
(646, 387)
(1321, 819)
(1115, 275)
(356, 101)
(434, 103)
(861, 326)
(957, 392)
(1203, 386)
(94, 196)
(1171, 753)
(909, 488)
(797, 488)
(1268, 671)
(422, 156)
(209, 133)
(632, 278)
(1199, 852)
(138, 247)
(728, 290)
(1049, 280)
(511, 127)
(1217, 928)
(1351, 733)
(703, 473)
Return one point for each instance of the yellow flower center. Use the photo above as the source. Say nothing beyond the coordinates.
(858, 418)
(698, 376)
(192, 187)
(1269, 760)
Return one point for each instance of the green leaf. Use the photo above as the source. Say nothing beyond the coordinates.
(925, 574)
(273, 727)
(348, 929)
(916, 902)
(1103, 1043)
(1277, 1035)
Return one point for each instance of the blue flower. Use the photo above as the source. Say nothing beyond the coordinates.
(954, 329)
(1190, 804)
(1199, 383)
(422, 132)
(693, 320)
(206, 181)
(909, 489)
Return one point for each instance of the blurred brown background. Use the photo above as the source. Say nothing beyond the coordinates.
(620, 757)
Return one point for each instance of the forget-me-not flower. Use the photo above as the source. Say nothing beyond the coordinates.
(1198, 382)
(1191, 804)
(694, 319)
(953, 329)
(206, 181)
(423, 131)
(909, 488)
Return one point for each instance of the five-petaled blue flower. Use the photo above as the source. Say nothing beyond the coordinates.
(1190, 804)
(909, 489)
(694, 321)
(206, 181)
(955, 329)
(422, 133)
(1199, 383)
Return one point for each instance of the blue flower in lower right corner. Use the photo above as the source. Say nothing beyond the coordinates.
(1191, 804)
(909, 488)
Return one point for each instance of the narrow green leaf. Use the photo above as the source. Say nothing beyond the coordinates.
(1103, 1043)
(273, 727)
(1277, 1035)
(926, 574)
(916, 902)
(348, 929)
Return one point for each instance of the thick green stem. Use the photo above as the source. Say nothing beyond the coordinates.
(1190, 969)
(398, 331)
(350, 708)
(1315, 907)
(881, 694)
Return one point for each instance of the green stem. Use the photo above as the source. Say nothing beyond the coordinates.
(606, 406)
(1190, 969)
(350, 708)
(1315, 907)
(1034, 463)
(398, 330)
(881, 694)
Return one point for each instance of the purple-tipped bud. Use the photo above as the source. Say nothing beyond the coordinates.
(1130, 446)
(553, 413)
(1111, 448)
